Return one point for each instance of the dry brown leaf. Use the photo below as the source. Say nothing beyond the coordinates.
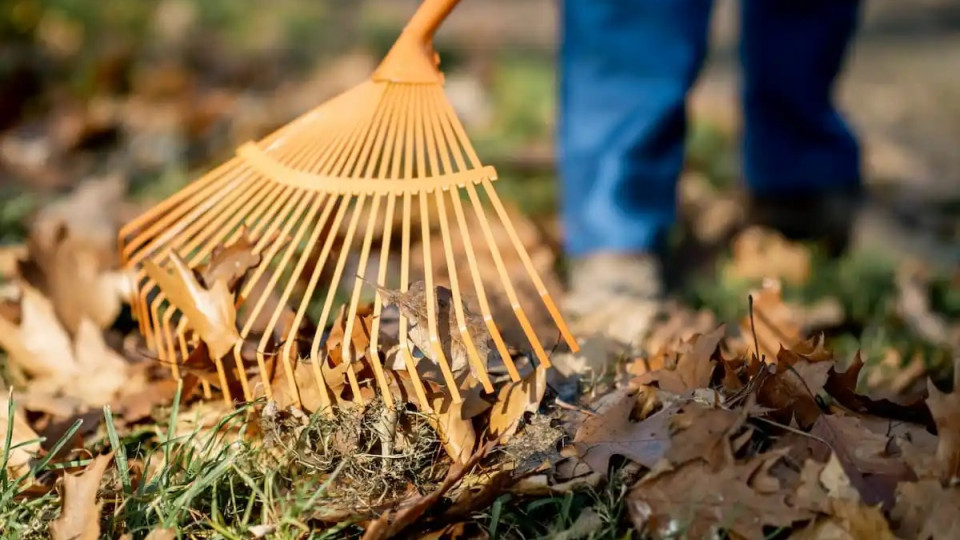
(694, 368)
(541, 255)
(695, 501)
(842, 386)
(231, 263)
(456, 432)
(412, 304)
(611, 432)
(515, 399)
(80, 514)
(18, 458)
(210, 311)
(80, 283)
(864, 456)
(42, 349)
(945, 409)
(699, 432)
(791, 391)
(760, 253)
(93, 213)
(926, 510)
(360, 334)
(38, 345)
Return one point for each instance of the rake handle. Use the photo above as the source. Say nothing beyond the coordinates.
(412, 58)
(427, 19)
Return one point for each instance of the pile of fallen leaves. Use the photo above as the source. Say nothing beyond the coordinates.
(719, 440)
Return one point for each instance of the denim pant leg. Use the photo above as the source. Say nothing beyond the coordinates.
(625, 69)
(795, 141)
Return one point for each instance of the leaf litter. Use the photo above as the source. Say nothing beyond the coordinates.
(710, 429)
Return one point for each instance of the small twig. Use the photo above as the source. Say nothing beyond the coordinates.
(753, 327)
(570, 407)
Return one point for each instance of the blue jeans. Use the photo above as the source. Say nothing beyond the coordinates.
(626, 68)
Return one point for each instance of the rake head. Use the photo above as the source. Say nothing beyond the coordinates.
(354, 181)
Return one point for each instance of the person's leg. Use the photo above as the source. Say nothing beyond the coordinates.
(796, 144)
(625, 69)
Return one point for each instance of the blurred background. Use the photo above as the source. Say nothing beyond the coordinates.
(157, 92)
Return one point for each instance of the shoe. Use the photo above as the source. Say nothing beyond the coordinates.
(615, 294)
(827, 219)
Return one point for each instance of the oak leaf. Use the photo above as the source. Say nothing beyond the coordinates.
(693, 369)
(696, 501)
(610, 432)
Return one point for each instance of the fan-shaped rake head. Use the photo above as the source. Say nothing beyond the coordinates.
(350, 183)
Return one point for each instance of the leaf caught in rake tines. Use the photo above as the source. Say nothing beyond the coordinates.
(412, 304)
(231, 263)
(210, 311)
(514, 400)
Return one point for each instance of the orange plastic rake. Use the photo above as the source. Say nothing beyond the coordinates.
(388, 153)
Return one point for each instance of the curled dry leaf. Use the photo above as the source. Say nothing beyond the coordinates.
(945, 409)
(80, 513)
(18, 459)
(698, 502)
(231, 263)
(210, 311)
(866, 458)
(842, 386)
(792, 389)
(360, 334)
(693, 369)
(515, 399)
